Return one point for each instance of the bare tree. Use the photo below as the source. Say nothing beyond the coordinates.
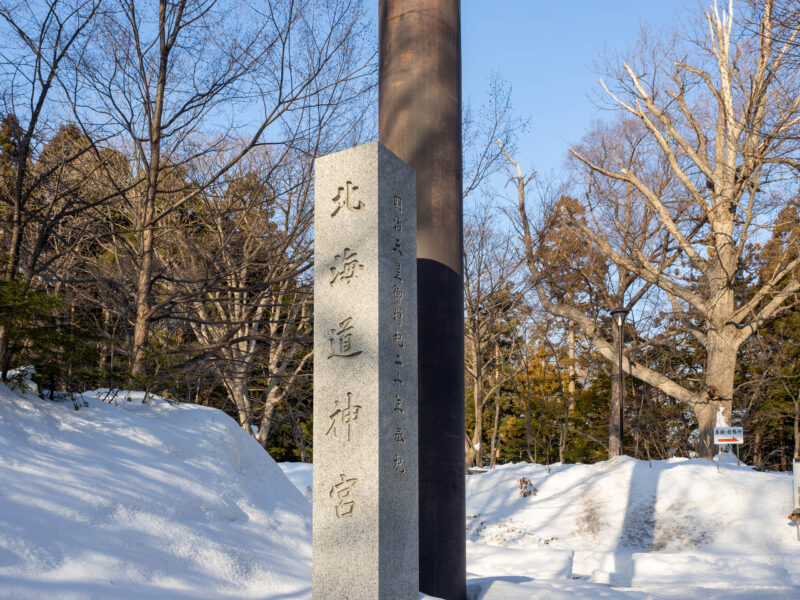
(726, 142)
(722, 110)
(491, 300)
(238, 275)
(572, 278)
(522, 381)
(489, 260)
(237, 265)
(173, 82)
(37, 191)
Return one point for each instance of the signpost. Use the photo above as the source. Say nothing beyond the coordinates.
(729, 435)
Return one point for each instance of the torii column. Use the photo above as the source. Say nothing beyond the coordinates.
(420, 121)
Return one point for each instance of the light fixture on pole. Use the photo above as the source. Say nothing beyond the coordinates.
(618, 314)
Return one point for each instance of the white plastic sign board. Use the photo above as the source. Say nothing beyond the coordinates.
(797, 482)
(728, 435)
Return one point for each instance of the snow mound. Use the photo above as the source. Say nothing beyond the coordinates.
(137, 497)
(678, 528)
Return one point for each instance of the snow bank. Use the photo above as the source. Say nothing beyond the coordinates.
(624, 504)
(677, 529)
(143, 499)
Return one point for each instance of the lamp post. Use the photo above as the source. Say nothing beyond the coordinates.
(618, 314)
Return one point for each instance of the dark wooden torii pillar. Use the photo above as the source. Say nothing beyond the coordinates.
(420, 121)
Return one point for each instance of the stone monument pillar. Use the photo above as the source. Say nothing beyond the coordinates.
(365, 377)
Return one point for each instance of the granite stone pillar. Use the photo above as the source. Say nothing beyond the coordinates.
(365, 377)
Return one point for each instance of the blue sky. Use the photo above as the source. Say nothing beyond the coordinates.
(545, 49)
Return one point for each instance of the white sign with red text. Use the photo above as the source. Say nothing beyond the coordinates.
(728, 435)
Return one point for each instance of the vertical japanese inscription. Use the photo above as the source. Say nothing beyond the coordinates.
(345, 197)
(365, 462)
(347, 267)
(398, 464)
(341, 339)
(345, 415)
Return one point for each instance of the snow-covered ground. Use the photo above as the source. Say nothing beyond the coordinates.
(676, 529)
(679, 529)
(143, 499)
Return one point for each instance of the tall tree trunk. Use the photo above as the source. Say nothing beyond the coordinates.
(706, 415)
(569, 404)
(470, 455)
(274, 397)
(573, 371)
(757, 459)
(4, 357)
(143, 285)
(141, 325)
(498, 397)
(494, 447)
(15, 246)
(717, 408)
(526, 408)
(10, 273)
(527, 405)
(103, 360)
(477, 396)
(297, 433)
(239, 394)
